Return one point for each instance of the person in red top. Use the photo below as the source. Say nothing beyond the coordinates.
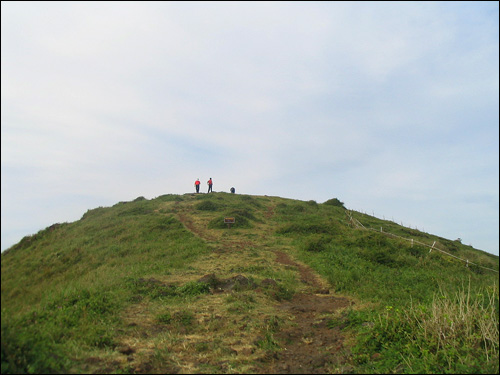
(209, 182)
(197, 185)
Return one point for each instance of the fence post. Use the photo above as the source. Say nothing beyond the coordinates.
(432, 246)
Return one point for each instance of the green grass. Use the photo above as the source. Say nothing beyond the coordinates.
(406, 287)
(453, 334)
(65, 283)
(75, 292)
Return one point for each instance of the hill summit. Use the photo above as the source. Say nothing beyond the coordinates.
(170, 285)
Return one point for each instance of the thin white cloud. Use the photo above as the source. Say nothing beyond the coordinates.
(379, 104)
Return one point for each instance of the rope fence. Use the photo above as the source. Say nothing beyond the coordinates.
(358, 225)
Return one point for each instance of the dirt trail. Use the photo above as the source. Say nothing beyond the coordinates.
(308, 345)
(192, 227)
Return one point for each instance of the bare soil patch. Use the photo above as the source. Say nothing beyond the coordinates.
(310, 345)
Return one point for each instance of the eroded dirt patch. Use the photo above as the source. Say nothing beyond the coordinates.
(307, 275)
(310, 345)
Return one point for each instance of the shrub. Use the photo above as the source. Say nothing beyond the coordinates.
(307, 228)
(334, 202)
(155, 289)
(292, 209)
(193, 288)
(381, 256)
(207, 206)
(251, 200)
(29, 350)
(243, 212)
(317, 243)
(165, 318)
(170, 197)
(135, 209)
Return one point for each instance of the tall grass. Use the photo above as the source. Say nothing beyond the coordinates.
(463, 320)
(454, 334)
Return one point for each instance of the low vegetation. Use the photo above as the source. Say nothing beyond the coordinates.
(165, 286)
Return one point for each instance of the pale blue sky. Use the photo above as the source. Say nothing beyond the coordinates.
(391, 107)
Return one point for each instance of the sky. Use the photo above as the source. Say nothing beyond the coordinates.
(390, 107)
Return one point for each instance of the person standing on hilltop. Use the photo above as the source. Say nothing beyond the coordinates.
(197, 185)
(209, 182)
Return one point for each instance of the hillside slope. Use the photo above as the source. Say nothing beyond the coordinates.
(164, 285)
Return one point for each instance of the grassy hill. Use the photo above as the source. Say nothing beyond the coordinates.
(165, 286)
